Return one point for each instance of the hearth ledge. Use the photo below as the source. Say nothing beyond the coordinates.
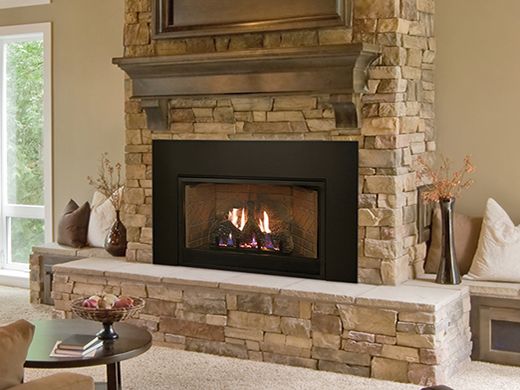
(428, 297)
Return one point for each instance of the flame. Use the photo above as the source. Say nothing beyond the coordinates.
(264, 225)
(233, 218)
(242, 220)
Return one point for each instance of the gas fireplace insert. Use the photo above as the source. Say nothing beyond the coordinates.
(275, 207)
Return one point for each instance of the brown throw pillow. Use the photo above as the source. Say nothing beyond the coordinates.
(466, 233)
(73, 225)
(14, 344)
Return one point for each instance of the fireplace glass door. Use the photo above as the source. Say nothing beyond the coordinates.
(279, 218)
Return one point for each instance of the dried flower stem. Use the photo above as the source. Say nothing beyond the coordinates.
(445, 183)
(108, 181)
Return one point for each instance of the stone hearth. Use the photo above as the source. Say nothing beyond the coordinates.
(396, 129)
(417, 334)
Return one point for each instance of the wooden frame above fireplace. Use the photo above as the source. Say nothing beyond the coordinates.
(192, 18)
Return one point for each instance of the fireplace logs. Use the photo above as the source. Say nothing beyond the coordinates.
(243, 229)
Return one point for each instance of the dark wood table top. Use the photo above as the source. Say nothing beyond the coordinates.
(132, 342)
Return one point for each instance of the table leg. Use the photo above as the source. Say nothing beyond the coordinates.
(114, 376)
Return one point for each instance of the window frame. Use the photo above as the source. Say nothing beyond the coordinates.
(21, 3)
(9, 34)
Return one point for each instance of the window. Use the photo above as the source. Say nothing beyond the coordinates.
(25, 143)
(21, 3)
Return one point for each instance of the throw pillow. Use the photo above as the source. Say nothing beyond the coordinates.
(466, 232)
(14, 344)
(498, 252)
(102, 216)
(73, 225)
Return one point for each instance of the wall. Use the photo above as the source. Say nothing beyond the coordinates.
(398, 123)
(478, 90)
(88, 98)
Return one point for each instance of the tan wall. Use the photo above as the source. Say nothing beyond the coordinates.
(88, 98)
(478, 96)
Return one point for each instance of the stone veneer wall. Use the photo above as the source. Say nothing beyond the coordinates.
(398, 124)
(372, 337)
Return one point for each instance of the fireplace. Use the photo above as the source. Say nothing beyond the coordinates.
(286, 208)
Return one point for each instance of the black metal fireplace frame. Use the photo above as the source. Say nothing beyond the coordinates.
(331, 167)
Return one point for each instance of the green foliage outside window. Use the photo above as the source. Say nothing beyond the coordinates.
(24, 93)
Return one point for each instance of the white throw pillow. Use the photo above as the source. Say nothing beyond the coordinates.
(498, 252)
(102, 216)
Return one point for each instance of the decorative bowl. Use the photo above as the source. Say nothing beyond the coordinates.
(106, 316)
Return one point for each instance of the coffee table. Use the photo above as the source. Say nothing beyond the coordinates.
(132, 342)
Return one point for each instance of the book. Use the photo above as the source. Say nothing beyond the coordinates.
(79, 342)
(70, 353)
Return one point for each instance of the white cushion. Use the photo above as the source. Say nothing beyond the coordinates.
(102, 216)
(498, 252)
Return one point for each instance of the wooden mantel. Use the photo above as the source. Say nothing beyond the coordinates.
(337, 70)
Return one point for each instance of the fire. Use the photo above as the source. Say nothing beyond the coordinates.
(233, 218)
(264, 225)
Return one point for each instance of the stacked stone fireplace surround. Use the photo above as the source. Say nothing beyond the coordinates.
(396, 339)
(397, 125)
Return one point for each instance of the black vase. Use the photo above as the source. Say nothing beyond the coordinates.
(115, 242)
(448, 272)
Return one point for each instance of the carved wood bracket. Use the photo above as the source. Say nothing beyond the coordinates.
(337, 70)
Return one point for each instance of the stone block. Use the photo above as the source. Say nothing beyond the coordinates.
(370, 320)
(216, 348)
(400, 353)
(425, 375)
(334, 36)
(389, 369)
(84, 289)
(255, 303)
(396, 271)
(286, 307)
(252, 104)
(136, 34)
(341, 368)
(324, 340)
(326, 324)
(373, 349)
(133, 289)
(191, 329)
(295, 327)
(360, 336)
(292, 103)
(357, 359)
(159, 308)
(380, 126)
(213, 319)
(246, 334)
(378, 217)
(202, 303)
(244, 320)
(321, 124)
(223, 128)
(281, 116)
(379, 158)
(375, 9)
(416, 340)
(290, 360)
(382, 249)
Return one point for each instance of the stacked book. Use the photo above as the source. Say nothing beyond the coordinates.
(77, 345)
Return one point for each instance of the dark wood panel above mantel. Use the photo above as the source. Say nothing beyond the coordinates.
(336, 70)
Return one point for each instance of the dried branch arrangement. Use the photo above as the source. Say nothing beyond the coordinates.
(108, 181)
(445, 183)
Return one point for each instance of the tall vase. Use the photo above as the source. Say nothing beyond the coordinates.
(448, 272)
(115, 242)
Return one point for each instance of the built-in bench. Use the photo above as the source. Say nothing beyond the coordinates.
(42, 260)
(495, 319)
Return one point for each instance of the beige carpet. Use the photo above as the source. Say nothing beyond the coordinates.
(164, 368)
